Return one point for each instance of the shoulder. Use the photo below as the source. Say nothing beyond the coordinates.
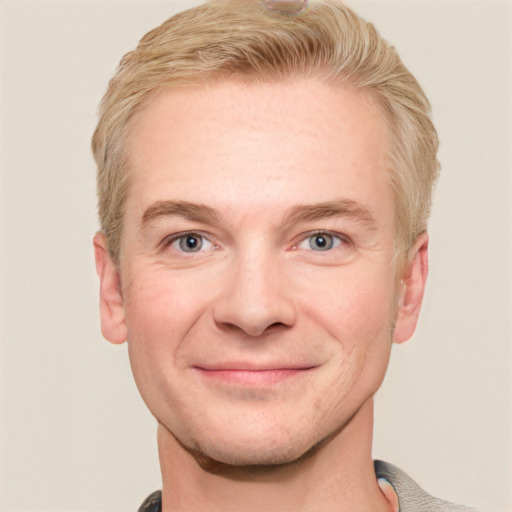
(411, 496)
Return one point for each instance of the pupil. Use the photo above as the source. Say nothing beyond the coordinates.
(321, 241)
(192, 242)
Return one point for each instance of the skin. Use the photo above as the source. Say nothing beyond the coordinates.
(258, 352)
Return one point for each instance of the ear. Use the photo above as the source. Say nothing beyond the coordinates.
(412, 287)
(113, 326)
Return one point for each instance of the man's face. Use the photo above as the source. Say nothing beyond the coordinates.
(257, 271)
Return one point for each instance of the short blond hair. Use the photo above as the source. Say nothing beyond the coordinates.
(229, 38)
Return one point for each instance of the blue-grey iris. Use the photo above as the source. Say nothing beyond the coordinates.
(191, 243)
(321, 242)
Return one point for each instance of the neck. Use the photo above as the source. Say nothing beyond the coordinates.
(338, 475)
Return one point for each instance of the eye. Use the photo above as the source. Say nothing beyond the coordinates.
(190, 242)
(321, 241)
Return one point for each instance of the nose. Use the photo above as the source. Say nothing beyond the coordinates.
(255, 296)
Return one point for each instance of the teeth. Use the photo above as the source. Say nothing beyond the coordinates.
(286, 6)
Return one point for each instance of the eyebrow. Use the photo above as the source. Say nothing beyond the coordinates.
(191, 211)
(299, 213)
(337, 208)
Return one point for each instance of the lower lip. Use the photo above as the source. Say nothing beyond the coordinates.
(251, 377)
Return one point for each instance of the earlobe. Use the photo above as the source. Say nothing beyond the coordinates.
(113, 326)
(412, 288)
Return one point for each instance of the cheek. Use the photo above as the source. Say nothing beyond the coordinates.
(354, 310)
(159, 307)
(159, 311)
(358, 317)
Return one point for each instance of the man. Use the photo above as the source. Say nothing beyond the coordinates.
(264, 177)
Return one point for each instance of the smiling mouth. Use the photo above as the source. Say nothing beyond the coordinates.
(250, 377)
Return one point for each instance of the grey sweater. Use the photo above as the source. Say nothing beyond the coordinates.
(411, 497)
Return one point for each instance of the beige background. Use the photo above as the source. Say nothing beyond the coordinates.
(74, 434)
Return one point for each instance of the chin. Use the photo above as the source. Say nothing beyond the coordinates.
(245, 464)
(253, 457)
(254, 451)
(273, 436)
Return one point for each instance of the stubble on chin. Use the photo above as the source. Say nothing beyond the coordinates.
(245, 472)
(257, 470)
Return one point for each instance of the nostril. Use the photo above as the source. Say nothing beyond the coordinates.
(251, 331)
(275, 325)
(253, 306)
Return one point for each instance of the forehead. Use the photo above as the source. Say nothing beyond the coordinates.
(249, 145)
